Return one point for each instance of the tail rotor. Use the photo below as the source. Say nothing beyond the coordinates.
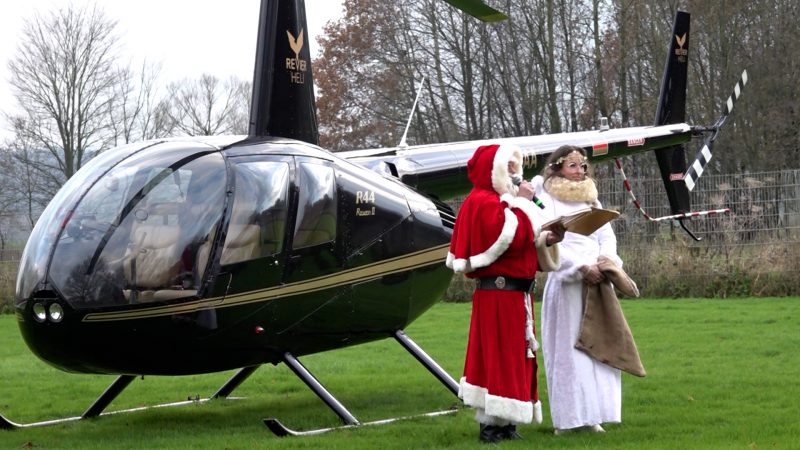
(704, 155)
(697, 167)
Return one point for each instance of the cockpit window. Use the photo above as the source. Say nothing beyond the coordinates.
(316, 205)
(142, 233)
(258, 218)
(42, 238)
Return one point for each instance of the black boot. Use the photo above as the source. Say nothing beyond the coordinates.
(490, 434)
(509, 432)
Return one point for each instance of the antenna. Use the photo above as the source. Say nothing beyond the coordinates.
(403, 143)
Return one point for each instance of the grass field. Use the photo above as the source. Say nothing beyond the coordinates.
(721, 374)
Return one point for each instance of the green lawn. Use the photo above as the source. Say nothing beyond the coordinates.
(721, 374)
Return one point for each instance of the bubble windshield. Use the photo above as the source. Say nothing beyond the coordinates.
(143, 231)
(40, 244)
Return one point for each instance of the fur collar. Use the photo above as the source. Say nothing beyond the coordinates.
(571, 191)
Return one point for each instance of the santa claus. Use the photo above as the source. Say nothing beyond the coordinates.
(497, 240)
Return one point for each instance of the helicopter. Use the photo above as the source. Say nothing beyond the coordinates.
(249, 250)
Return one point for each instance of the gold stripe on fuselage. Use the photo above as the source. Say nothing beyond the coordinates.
(368, 272)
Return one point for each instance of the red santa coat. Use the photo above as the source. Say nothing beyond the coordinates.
(495, 235)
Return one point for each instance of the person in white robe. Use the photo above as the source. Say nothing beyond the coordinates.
(583, 393)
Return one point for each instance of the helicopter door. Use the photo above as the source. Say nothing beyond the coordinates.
(257, 226)
(314, 234)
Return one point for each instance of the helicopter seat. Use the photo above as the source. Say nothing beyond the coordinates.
(154, 262)
(242, 243)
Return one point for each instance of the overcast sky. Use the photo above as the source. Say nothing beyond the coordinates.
(188, 37)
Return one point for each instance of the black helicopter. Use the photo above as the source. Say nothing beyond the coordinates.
(246, 250)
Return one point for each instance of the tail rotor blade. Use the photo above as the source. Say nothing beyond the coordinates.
(737, 91)
(700, 162)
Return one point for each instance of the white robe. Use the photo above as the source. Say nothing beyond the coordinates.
(581, 390)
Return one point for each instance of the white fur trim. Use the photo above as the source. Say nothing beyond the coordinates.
(507, 198)
(501, 179)
(505, 408)
(537, 413)
(500, 245)
(459, 265)
(471, 395)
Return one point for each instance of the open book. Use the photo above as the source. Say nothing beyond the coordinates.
(585, 221)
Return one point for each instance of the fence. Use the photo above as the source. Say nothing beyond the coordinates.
(752, 251)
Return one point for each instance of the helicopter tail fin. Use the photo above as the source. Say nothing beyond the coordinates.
(283, 88)
(672, 109)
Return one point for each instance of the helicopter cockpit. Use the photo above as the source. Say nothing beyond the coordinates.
(137, 227)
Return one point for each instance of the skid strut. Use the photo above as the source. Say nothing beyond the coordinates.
(108, 396)
(310, 381)
(233, 382)
(426, 361)
(94, 410)
(349, 420)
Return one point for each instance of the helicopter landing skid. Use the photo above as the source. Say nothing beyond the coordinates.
(6, 424)
(348, 418)
(119, 384)
(281, 430)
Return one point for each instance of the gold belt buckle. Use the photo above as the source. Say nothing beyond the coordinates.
(500, 282)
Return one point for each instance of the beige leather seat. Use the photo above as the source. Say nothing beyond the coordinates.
(153, 262)
(154, 255)
(242, 243)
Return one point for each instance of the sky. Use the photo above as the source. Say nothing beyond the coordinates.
(188, 37)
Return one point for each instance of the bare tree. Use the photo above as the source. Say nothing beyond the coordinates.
(34, 179)
(7, 199)
(207, 106)
(133, 107)
(62, 76)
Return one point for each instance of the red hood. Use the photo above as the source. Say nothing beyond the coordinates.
(488, 167)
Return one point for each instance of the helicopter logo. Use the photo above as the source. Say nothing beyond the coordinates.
(681, 52)
(296, 65)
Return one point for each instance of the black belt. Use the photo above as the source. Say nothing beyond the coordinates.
(505, 283)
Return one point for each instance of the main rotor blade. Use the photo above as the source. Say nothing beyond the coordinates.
(479, 10)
